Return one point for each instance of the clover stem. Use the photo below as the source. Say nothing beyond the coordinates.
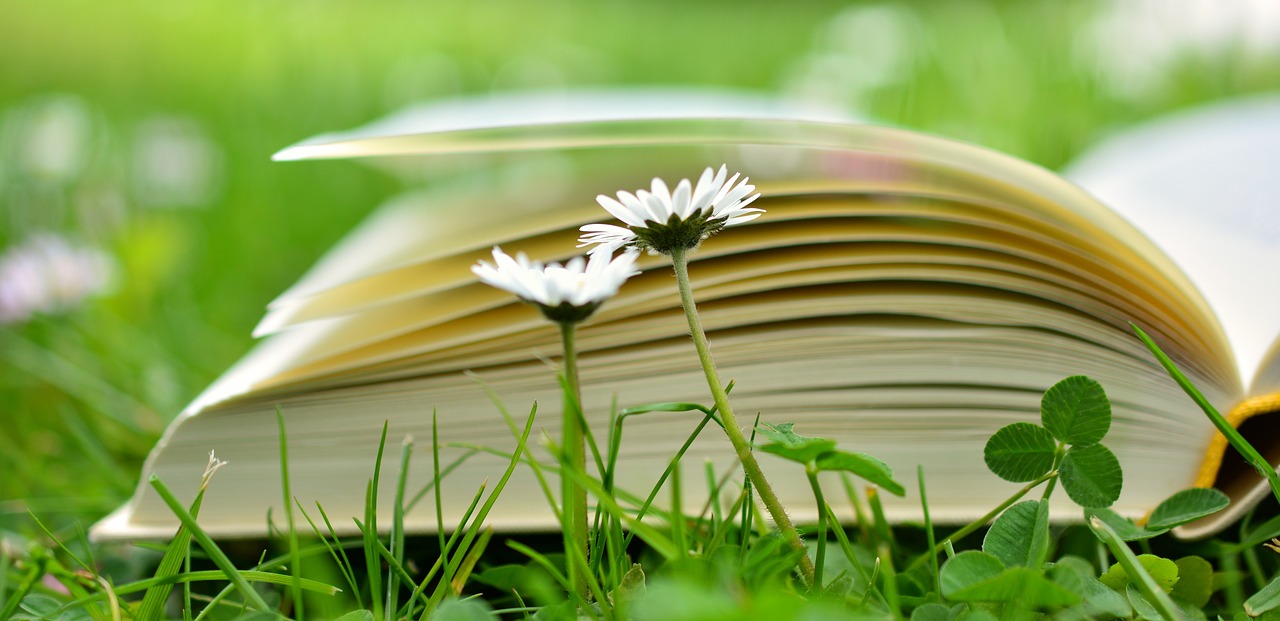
(574, 495)
(1058, 454)
(680, 261)
(982, 521)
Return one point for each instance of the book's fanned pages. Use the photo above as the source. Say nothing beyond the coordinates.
(1201, 184)
(905, 295)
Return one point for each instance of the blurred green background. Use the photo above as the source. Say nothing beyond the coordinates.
(143, 227)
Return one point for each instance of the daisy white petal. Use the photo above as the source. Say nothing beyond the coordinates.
(607, 238)
(655, 209)
(747, 215)
(661, 220)
(659, 189)
(681, 200)
(635, 204)
(566, 293)
(708, 185)
(619, 210)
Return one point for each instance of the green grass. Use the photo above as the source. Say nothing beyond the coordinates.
(86, 393)
(94, 387)
(705, 564)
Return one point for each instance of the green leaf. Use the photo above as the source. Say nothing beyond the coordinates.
(1162, 570)
(865, 466)
(1098, 601)
(788, 445)
(463, 610)
(1186, 506)
(841, 587)
(1260, 533)
(43, 607)
(1014, 537)
(975, 615)
(1020, 452)
(1101, 601)
(1091, 475)
(357, 615)
(931, 612)
(632, 585)
(1123, 526)
(1026, 586)
(1266, 599)
(1145, 609)
(967, 569)
(1195, 581)
(1076, 411)
(1079, 565)
(981, 577)
(1135, 571)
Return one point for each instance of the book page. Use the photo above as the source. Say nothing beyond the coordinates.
(1203, 186)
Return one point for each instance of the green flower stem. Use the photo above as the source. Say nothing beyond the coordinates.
(811, 469)
(574, 495)
(680, 260)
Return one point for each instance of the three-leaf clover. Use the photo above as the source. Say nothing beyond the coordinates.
(1075, 415)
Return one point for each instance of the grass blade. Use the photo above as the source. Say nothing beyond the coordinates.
(295, 561)
(344, 566)
(215, 553)
(1138, 574)
(453, 465)
(470, 560)
(473, 530)
(343, 552)
(928, 530)
(397, 524)
(37, 571)
(1237, 441)
(370, 530)
(152, 607)
(435, 461)
(176, 556)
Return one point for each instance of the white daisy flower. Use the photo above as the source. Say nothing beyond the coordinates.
(660, 220)
(564, 293)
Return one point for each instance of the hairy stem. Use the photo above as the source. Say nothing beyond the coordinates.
(680, 260)
(574, 495)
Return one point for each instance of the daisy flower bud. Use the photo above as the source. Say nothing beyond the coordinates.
(566, 293)
(660, 220)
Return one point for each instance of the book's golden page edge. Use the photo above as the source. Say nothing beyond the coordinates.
(1201, 184)
(1245, 487)
(768, 254)
(1118, 254)
(1261, 405)
(844, 140)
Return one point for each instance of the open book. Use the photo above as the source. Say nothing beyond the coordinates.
(905, 295)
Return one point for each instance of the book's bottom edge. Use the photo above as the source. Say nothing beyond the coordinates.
(120, 525)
